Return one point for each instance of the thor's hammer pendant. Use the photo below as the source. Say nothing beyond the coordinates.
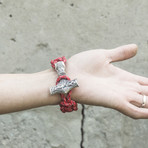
(64, 86)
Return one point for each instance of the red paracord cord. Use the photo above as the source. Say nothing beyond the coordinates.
(66, 104)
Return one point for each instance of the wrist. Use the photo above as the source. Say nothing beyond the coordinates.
(45, 80)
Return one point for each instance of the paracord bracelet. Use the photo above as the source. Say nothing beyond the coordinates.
(63, 86)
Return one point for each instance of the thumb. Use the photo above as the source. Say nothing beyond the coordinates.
(122, 52)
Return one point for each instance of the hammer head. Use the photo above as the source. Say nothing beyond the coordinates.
(64, 86)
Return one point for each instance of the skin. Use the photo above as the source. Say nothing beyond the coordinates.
(100, 84)
(103, 84)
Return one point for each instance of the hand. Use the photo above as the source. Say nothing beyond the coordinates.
(103, 84)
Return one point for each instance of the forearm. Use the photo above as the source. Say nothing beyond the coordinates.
(25, 91)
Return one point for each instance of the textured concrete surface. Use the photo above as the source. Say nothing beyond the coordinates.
(44, 127)
(33, 32)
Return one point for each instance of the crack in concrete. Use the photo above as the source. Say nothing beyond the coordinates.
(82, 126)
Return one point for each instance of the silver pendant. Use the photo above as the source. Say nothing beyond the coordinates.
(64, 86)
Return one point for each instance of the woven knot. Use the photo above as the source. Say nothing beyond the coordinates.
(66, 104)
(57, 60)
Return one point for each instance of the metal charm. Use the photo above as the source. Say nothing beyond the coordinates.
(64, 86)
(60, 68)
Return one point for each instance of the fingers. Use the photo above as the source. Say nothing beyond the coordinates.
(142, 80)
(136, 112)
(144, 90)
(137, 100)
(122, 52)
(134, 107)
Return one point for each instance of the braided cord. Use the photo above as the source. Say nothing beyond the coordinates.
(66, 104)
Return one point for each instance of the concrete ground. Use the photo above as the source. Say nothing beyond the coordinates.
(34, 32)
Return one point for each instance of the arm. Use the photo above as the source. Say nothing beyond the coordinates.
(25, 91)
(100, 84)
